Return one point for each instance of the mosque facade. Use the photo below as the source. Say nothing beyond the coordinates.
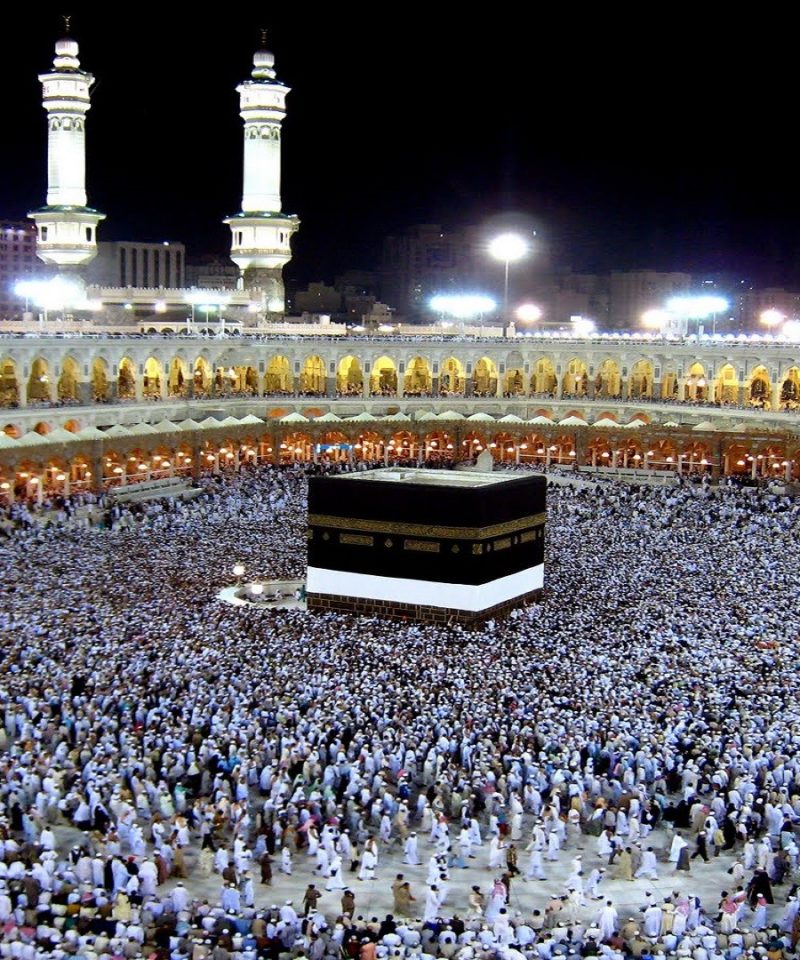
(109, 405)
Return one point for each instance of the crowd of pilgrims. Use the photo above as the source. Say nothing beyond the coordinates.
(156, 742)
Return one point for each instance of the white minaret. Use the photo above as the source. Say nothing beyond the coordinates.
(66, 226)
(261, 233)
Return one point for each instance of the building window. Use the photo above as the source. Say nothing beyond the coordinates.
(43, 234)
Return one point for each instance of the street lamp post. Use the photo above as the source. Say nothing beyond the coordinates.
(508, 248)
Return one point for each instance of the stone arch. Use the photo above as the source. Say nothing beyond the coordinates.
(349, 377)
(697, 456)
(737, 458)
(473, 443)
(514, 382)
(452, 378)
(726, 386)
(73, 425)
(662, 454)
(201, 377)
(153, 377)
(669, 385)
(295, 447)
(313, 377)
(696, 385)
(12, 430)
(126, 379)
(544, 381)
(484, 379)
(438, 445)
(39, 381)
(68, 382)
(790, 389)
(504, 447)
(608, 381)
(9, 383)
(178, 377)
(576, 379)
(418, 381)
(759, 387)
(42, 428)
(640, 382)
(99, 380)
(369, 446)
(334, 446)
(278, 379)
(383, 377)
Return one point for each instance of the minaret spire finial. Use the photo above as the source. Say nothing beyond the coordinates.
(264, 37)
(66, 18)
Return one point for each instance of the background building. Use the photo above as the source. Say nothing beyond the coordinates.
(126, 263)
(18, 261)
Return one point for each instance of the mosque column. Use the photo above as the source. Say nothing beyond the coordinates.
(84, 392)
(97, 473)
(776, 394)
(22, 392)
(138, 384)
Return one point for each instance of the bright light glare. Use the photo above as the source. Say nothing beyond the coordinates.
(697, 307)
(655, 319)
(529, 313)
(791, 330)
(508, 247)
(462, 306)
(582, 327)
(52, 294)
(201, 297)
(772, 317)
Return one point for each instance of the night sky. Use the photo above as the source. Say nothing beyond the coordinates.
(663, 142)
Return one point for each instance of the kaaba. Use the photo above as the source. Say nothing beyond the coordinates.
(437, 545)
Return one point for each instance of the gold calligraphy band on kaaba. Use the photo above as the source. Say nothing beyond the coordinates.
(426, 530)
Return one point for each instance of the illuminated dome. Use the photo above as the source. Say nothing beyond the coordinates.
(263, 63)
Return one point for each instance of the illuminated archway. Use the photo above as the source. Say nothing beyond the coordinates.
(99, 380)
(576, 379)
(334, 447)
(402, 447)
(697, 457)
(349, 377)
(313, 379)
(295, 448)
(68, 381)
(503, 447)
(39, 381)
(383, 378)
(178, 378)
(126, 379)
(438, 445)
(201, 376)
(640, 383)
(544, 381)
(662, 455)
(9, 383)
(473, 443)
(696, 386)
(608, 381)
(484, 378)
(726, 386)
(669, 385)
(790, 389)
(418, 381)
(452, 380)
(599, 451)
(514, 382)
(152, 378)
(278, 378)
(737, 459)
(759, 388)
(369, 447)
